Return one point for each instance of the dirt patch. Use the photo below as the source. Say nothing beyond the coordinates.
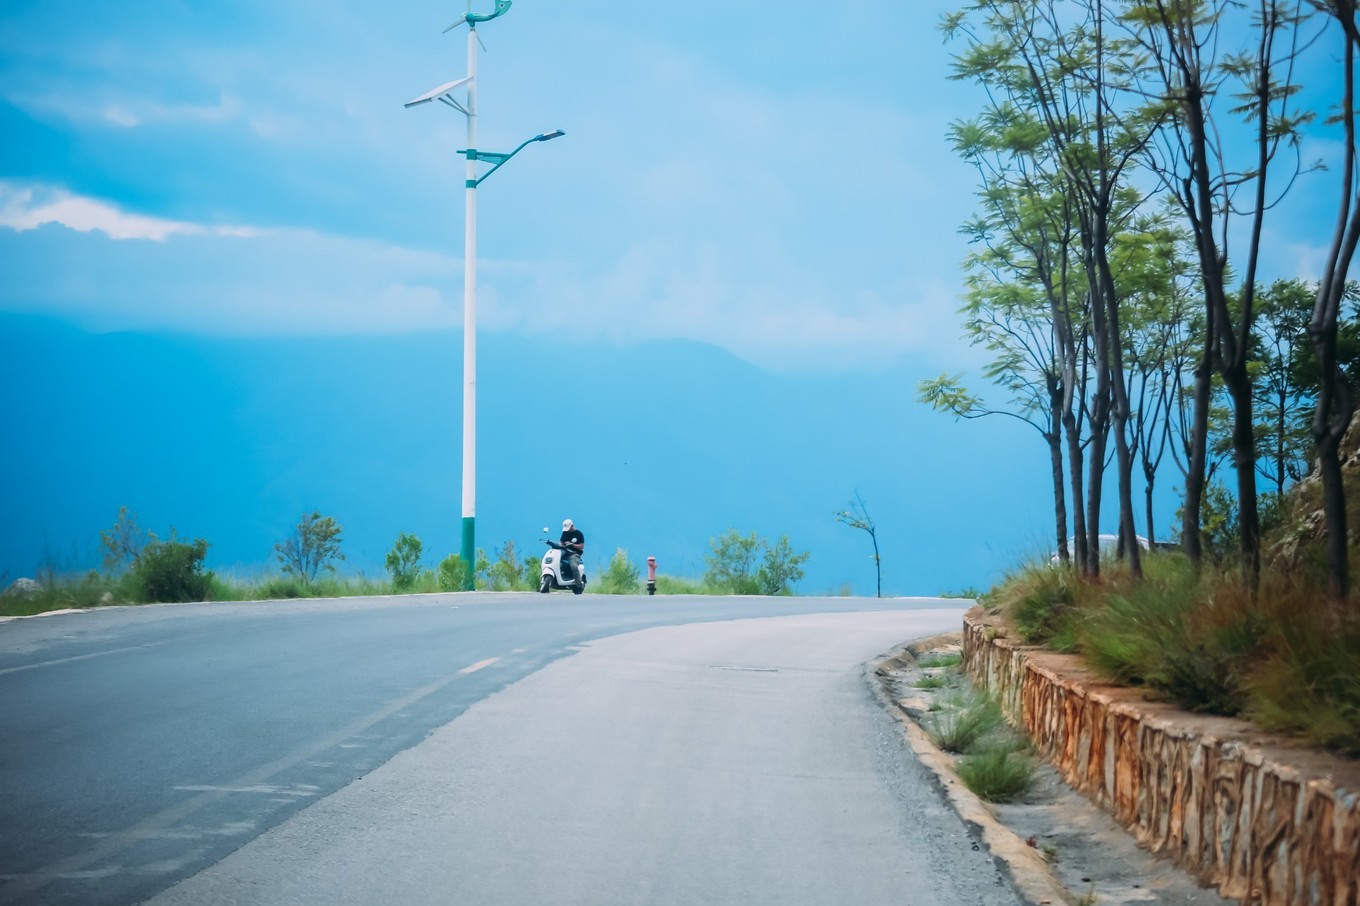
(1058, 845)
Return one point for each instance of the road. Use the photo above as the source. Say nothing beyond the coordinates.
(444, 749)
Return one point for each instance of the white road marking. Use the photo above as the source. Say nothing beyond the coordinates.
(78, 657)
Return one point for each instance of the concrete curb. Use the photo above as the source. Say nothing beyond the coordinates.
(1027, 869)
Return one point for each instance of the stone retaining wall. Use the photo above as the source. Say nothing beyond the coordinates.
(1243, 811)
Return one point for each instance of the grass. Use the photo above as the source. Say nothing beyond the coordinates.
(960, 727)
(938, 661)
(996, 763)
(997, 773)
(930, 682)
(1285, 657)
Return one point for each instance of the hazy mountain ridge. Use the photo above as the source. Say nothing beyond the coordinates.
(231, 439)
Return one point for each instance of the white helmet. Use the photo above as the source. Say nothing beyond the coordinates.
(567, 525)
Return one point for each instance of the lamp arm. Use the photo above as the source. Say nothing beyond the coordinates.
(474, 183)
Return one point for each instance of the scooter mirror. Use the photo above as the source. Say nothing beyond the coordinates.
(545, 530)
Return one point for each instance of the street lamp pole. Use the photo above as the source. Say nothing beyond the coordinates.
(444, 94)
(469, 534)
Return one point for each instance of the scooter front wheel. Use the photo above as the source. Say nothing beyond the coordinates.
(545, 584)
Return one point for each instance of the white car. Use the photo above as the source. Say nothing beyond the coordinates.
(1109, 546)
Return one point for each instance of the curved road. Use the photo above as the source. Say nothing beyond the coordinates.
(219, 745)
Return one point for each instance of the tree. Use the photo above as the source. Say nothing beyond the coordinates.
(1052, 61)
(1184, 72)
(857, 517)
(782, 568)
(403, 562)
(733, 562)
(124, 542)
(1284, 402)
(313, 546)
(1335, 402)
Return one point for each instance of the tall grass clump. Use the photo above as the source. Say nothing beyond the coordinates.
(1284, 656)
(998, 773)
(960, 727)
(1190, 642)
(1306, 678)
(1041, 601)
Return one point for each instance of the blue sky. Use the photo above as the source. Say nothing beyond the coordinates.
(770, 179)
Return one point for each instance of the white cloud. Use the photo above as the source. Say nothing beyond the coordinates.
(243, 281)
(27, 208)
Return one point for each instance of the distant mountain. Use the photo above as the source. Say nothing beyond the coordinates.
(655, 448)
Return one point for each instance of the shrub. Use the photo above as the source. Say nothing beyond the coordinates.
(620, 577)
(452, 573)
(314, 545)
(506, 573)
(732, 565)
(936, 661)
(172, 571)
(782, 569)
(403, 562)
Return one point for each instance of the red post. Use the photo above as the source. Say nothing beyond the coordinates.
(651, 575)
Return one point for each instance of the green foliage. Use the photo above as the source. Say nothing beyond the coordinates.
(123, 543)
(1165, 636)
(679, 585)
(403, 562)
(937, 661)
(1041, 603)
(1284, 657)
(313, 546)
(748, 565)
(452, 573)
(1307, 676)
(506, 573)
(997, 774)
(960, 728)
(57, 591)
(621, 576)
(782, 569)
(733, 562)
(172, 571)
(930, 682)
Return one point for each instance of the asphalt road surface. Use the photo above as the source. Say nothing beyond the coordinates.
(444, 749)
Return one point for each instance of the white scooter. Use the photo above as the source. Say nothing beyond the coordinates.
(558, 570)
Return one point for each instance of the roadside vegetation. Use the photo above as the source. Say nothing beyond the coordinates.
(1117, 148)
(1284, 656)
(140, 568)
(992, 759)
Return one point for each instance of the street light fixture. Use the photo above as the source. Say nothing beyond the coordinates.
(444, 94)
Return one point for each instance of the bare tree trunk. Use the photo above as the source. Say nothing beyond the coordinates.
(1075, 469)
(1054, 438)
(1191, 540)
(1334, 404)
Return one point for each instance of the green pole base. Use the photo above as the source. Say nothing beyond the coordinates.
(469, 553)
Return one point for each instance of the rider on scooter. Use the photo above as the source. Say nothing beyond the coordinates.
(574, 545)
